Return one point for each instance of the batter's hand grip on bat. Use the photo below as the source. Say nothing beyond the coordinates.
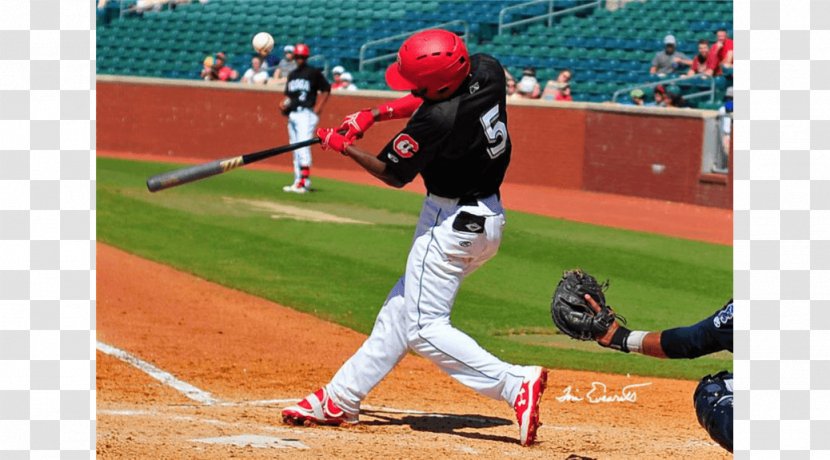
(192, 173)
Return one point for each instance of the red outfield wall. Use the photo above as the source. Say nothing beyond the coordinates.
(579, 146)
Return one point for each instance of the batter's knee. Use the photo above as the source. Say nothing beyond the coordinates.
(424, 331)
(713, 405)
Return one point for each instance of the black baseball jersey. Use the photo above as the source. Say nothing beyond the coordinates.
(708, 336)
(460, 145)
(303, 84)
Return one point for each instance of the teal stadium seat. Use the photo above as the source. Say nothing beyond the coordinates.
(615, 48)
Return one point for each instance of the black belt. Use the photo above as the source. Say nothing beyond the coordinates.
(472, 200)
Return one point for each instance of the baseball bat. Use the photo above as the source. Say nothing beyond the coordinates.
(193, 173)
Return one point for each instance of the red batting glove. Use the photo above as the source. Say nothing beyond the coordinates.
(330, 139)
(356, 124)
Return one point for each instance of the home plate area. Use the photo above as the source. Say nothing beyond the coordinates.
(254, 440)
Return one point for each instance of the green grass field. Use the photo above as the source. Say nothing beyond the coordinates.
(237, 230)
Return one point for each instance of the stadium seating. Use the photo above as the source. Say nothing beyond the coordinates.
(607, 50)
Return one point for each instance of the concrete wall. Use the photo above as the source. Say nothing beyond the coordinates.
(653, 153)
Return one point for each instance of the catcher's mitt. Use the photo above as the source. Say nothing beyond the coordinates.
(571, 312)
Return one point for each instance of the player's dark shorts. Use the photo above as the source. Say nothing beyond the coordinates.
(713, 404)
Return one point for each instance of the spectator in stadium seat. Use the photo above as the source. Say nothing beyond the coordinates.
(554, 87)
(269, 61)
(215, 69)
(337, 78)
(660, 96)
(346, 78)
(563, 94)
(674, 97)
(637, 97)
(528, 87)
(257, 74)
(286, 65)
(106, 13)
(510, 84)
(511, 89)
(701, 64)
(721, 53)
(667, 61)
(142, 6)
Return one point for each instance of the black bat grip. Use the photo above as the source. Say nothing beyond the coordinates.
(192, 173)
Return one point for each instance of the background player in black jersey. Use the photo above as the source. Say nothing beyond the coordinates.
(458, 141)
(303, 106)
(713, 396)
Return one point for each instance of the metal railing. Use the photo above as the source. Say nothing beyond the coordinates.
(709, 92)
(320, 58)
(400, 37)
(549, 15)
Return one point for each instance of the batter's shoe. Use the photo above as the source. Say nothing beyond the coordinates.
(317, 409)
(295, 188)
(527, 404)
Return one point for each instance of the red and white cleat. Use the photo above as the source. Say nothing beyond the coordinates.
(317, 408)
(527, 404)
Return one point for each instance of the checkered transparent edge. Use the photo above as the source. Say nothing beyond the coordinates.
(782, 229)
(47, 229)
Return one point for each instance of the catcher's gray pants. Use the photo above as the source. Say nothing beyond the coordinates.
(416, 314)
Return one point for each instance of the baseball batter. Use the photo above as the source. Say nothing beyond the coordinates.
(458, 141)
(303, 107)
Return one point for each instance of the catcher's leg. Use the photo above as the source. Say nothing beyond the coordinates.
(713, 405)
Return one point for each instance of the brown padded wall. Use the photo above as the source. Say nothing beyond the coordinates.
(572, 148)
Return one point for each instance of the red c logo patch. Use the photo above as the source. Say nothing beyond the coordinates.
(405, 146)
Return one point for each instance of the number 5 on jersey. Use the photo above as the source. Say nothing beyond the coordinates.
(495, 131)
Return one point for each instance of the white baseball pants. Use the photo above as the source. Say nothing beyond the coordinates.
(301, 126)
(416, 314)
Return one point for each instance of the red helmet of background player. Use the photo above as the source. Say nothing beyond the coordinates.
(301, 50)
(432, 63)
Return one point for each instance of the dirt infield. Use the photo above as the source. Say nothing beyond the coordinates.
(681, 220)
(253, 357)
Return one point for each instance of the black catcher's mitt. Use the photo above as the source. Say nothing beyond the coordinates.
(571, 312)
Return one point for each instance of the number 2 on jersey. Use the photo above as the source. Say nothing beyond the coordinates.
(495, 131)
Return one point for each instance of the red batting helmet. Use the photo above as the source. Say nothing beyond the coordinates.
(433, 63)
(301, 50)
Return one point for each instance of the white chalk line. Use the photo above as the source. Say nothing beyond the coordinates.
(206, 398)
(193, 418)
(164, 377)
